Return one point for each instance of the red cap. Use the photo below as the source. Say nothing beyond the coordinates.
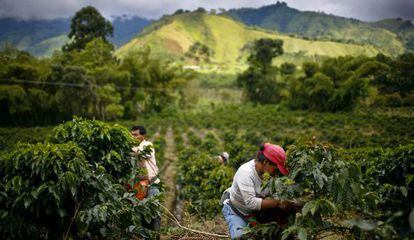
(277, 155)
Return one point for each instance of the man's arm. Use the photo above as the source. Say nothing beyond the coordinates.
(273, 203)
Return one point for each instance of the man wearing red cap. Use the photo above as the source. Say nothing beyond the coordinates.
(246, 193)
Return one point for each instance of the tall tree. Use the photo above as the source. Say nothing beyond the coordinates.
(259, 80)
(86, 25)
(264, 50)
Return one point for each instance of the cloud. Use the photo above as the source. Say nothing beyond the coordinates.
(37, 9)
(368, 10)
(47, 9)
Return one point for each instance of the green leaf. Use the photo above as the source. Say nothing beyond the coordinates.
(404, 191)
(302, 234)
(288, 232)
(319, 177)
(409, 179)
(41, 188)
(362, 224)
(411, 219)
(307, 208)
(315, 207)
(61, 212)
(27, 202)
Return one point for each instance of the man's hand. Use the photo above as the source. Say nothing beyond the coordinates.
(285, 205)
(298, 205)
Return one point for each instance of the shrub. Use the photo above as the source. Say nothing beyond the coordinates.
(104, 144)
(51, 191)
(73, 187)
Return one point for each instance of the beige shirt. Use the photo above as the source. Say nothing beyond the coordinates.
(150, 163)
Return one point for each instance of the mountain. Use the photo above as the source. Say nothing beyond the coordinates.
(26, 35)
(42, 37)
(317, 25)
(227, 41)
(403, 28)
(126, 28)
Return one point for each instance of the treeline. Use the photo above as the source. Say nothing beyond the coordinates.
(84, 79)
(335, 84)
(90, 82)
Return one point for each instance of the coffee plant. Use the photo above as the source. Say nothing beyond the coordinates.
(70, 190)
(104, 144)
(340, 197)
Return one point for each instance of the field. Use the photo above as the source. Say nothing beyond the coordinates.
(186, 144)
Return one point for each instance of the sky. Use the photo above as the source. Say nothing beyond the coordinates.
(367, 10)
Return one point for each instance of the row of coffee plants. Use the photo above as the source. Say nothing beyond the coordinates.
(366, 127)
(360, 188)
(71, 186)
(202, 178)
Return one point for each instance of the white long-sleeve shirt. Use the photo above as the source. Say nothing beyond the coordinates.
(149, 162)
(245, 192)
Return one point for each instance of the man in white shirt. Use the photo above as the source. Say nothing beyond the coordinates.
(149, 164)
(246, 193)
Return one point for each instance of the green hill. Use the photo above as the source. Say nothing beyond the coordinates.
(403, 28)
(228, 41)
(316, 25)
(48, 46)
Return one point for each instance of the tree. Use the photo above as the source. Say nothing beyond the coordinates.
(179, 11)
(264, 50)
(310, 68)
(86, 25)
(402, 75)
(287, 68)
(259, 80)
(200, 10)
(108, 100)
(153, 81)
(76, 96)
(319, 90)
(199, 52)
(13, 102)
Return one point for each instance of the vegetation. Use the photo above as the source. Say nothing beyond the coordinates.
(403, 28)
(90, 83)
(342, 185)
(346, 120)
(336, 84)
(318, 26)
(73, 189)
(86, 25)
(42, 37)
(229, 42)
(259, 80)
(340, 198)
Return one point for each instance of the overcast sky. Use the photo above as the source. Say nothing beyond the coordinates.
(368, 10)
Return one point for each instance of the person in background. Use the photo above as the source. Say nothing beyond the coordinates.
(223, 158)
(246, 197)
(149, 165)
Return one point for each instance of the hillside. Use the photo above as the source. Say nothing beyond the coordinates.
(403, 28)
(35, 36)
(316, 25)
(42, 37)
(228, 40)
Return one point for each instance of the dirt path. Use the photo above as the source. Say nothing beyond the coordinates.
(168, 173)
